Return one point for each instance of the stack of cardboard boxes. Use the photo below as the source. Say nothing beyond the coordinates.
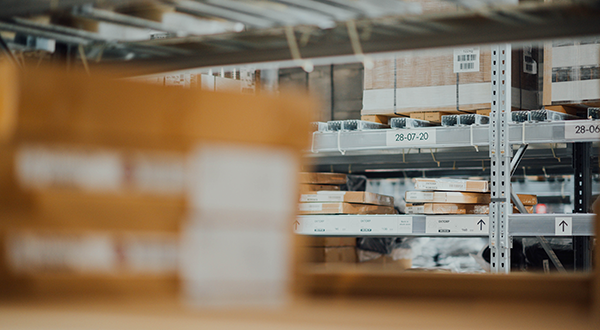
(453, 196)
(339, 202)
(110, 187)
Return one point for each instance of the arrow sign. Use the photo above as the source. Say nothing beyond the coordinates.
(481, 223)
(563, 226)
(296, 223)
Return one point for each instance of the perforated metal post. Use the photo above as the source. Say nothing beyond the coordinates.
(500, 157)
(583, 196)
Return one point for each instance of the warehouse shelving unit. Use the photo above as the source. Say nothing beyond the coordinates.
(498, 138)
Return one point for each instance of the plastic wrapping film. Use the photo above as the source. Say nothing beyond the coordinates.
(454, 254)
(427, 80)
(575, 70)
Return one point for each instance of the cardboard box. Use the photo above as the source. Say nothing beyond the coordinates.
(317, 241)
(459, 197)
(453, 208)
(323, 178)
(427, 82)
(86, 158)
(452, 185)
(331, 254)
(571, 72)
(309, 188)
(357, 197)
(344, 208)
(433, 80)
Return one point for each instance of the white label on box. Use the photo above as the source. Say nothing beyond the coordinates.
(419, 196)
(39, 166)
(453, 225)
(466, 59)
(452, 185)
(563, 226)
(324, 197)
(410, 137)
(416, 209)
(578, 130)
(310, 207)
(33, 252)
(160, 173)
(236, 178)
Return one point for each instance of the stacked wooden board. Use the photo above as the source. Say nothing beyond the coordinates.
(451, 196)
(339, 202)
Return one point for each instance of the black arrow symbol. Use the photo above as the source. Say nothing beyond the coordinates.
(481, 223)
(563, 224)
(296, 223)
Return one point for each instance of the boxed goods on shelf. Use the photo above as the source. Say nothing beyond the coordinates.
(112, 187)
(452, 185)
(459, 197)
(413, 82)
(309, 188)
(322, 178)
(358, 197)
(331, 255)
(344, 208)
(453, 208)
(571, 72)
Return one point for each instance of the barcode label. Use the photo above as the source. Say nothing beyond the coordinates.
(466, 59)
(467, 66)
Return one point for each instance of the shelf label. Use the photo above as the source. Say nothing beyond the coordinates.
(410, 137)
(353, 225)
(316, 225)
(563, 226)
(466, 59)
(457, 225)
(385, 225)
(578, 130)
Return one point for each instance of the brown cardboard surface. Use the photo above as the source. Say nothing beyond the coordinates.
(72, 107)
(459, 197)
(344, 208)
(317, 241)
(386, 262)
(73, 111)
(356, 197)
(323, 178)
(332, 254)
(309, 188)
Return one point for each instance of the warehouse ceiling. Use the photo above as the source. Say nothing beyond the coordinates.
(154, 36)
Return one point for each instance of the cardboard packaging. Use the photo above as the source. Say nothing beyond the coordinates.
(571, 72)
(309, 188)
(452, 208)
(358, 197)
(89, 165)
(317, 241)
(323, 178)
(343, 208)
(445, 79)
(331, 254)
(452, 185)
(459, 197)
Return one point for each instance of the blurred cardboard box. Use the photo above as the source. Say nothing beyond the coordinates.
(94, 171)
(331, 254)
